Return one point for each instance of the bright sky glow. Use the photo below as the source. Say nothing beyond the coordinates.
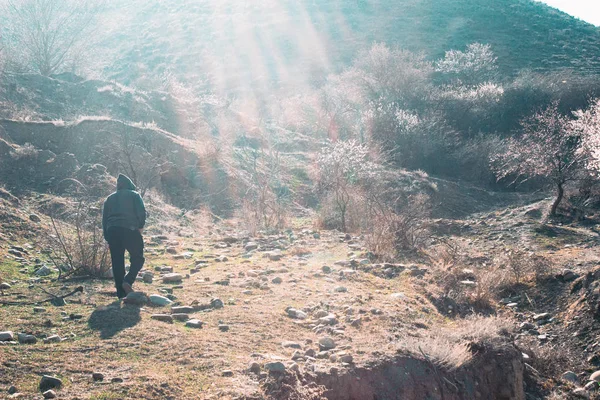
(586, 10)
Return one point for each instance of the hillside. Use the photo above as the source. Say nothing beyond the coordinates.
(264, 46)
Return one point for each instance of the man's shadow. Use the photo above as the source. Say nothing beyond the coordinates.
(113, 318)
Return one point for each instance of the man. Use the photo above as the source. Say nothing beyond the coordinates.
(123, 219)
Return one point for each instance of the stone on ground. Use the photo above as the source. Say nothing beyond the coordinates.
(7, 336)
(194, 323)
(162, 317)
(98, 376)
(326, 343)
(275, 367)
(595, 376)
(159, 300)
(49, 382)
(570, 376)
(172, 278)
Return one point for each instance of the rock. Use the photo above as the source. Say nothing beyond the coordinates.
(275, 367)
(35, 218)
(39, 309)
(296, 314)
(398, 296)
(58, 302)
(49, 382)
(147, 278)
(227, 373)
(163, 318)
(570, 376)
(159, 300)
(98, 376)
(251, 246)
(49, 394)
(330, 319)
(180, 317)
(52, 339)
(117, 380)
(194, 323)
(297, 355)
(4, 286)
(216, 303)
(273, 255)
(172, 278)
(7, 336)
(541, 317)
(326, 343)
(223, 327)
(591, 386)
(568, 275)
(182, 310)
(527, 326)
(277, 280)
(291, 345)
(254, 367)
(26, 339)
(310, 353)
(326, 269)
(136, 298)
(43, 271)
(341, 289)
(345, 358)
(595, 376)
(171, 250)
(321, 314)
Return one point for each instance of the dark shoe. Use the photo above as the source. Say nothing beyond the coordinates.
(127, 288)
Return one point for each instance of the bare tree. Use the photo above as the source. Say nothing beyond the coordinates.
(49, 36)
(548, 147)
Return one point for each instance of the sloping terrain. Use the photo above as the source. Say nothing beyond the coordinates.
(232, 46)
(284, 316)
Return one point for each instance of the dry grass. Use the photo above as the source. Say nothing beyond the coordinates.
(450, 346)
(159, 360)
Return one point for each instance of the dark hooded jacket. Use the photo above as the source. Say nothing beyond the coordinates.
(124, 208)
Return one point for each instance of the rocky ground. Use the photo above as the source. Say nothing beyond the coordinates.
(304, 314)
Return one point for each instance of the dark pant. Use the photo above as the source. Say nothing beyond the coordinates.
(120, 239)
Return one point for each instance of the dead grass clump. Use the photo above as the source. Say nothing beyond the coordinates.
(524, 266)
(453, 346)
(473, 287)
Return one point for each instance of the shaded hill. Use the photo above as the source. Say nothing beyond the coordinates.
(263, 46)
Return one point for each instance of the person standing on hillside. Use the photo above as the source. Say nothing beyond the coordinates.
(123, 220)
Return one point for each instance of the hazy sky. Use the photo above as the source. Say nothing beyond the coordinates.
(587, 10)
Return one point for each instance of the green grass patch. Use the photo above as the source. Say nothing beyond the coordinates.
(9, 270)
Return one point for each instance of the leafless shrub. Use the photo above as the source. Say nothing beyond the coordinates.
(263, 180)
(49, 36)
(400, 228)
(523, 265)
(76, 245)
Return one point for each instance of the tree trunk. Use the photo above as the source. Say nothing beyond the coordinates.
(559, 196)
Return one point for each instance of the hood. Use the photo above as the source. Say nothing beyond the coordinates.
(124, 182)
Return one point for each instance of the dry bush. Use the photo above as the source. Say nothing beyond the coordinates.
(76, 246)
(355, 217)
(450, 347)
(403, 229)
(524, 265)
(451, 275)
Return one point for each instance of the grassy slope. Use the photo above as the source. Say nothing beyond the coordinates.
(198, 41)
